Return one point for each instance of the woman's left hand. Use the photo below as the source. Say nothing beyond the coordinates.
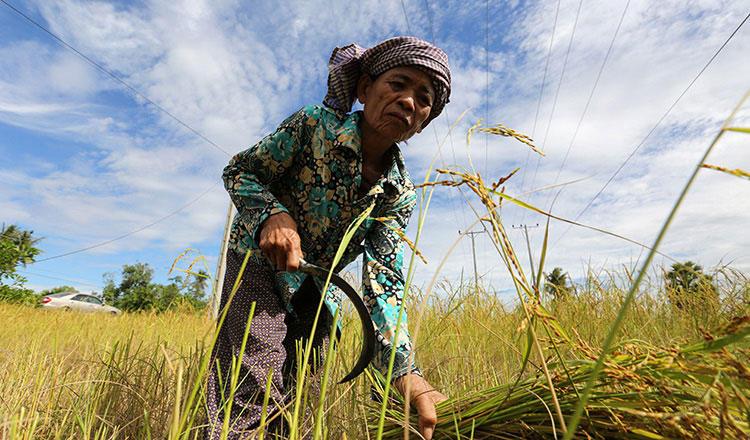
(423, 398)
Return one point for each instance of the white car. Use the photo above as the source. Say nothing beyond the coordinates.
(81, 302)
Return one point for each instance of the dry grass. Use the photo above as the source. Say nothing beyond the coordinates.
(74, 376)
(70, 375)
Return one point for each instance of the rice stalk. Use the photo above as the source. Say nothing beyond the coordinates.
(698, 390)
(570, 402)
(628, 299)
(735, 172)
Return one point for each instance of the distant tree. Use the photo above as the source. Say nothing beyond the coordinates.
(688, 287)
(24, 242)
(58, 289)
(17, 248)
(195, 291)
(556, 284)
(170, 295)
(190, 291)
(137, 291)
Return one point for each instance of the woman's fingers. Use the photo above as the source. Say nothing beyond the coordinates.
(293, 256)
(280, 242)
(423, 398)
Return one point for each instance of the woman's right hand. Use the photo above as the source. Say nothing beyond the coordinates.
(280, 242)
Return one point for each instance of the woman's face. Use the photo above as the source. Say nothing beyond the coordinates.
(397, 103)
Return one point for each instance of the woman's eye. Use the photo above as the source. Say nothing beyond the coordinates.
(425, 101)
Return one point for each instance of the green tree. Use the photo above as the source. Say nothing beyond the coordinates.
(17, 248)
(170, 295)
(135, 291)
(556, 284)
(688, 287)
(195, 291)
(191, 291)
(58, 289)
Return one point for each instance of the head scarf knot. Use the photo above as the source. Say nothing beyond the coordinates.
(348, 63)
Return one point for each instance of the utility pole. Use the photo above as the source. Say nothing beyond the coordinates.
(219, 278)
(474, 252)
(528, 246)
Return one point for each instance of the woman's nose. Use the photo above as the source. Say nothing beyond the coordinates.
(406, 100)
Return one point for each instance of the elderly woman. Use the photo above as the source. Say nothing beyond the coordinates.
(296, 192)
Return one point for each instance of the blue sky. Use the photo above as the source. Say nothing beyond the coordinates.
(88, 161)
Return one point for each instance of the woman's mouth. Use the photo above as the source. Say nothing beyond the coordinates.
(399, 118)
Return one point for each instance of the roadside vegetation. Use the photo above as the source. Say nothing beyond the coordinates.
(17, 249)
(133, 290)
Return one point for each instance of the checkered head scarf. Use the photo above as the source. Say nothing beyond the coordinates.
(348, 63)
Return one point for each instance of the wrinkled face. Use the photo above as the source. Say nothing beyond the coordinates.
(398, 103)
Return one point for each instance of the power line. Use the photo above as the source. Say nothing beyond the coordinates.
(137, 93)
(557, 92)
(539, 102)
(129, 233)
(591, 95)
(445, 110)
(60, 279)
(114, 77)
(487, 84)
(408, 28)
(653, 129)
(429, 20)
(447, 122)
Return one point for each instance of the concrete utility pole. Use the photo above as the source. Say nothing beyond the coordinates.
(474, 252)
(528, 246)
(219, 278)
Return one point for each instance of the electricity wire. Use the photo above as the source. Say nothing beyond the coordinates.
(557, 92)
(114, 77)
(59, 279)
(653, 129)
(429, 20)
(486, 94)
(539, 102)
(554, 101)
(408, 27)
(137, 93)
(448, 126)
(591, 95)
(487, 85)
(132, 232)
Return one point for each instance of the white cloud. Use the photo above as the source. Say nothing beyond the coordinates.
(659, 51)
(234, 71)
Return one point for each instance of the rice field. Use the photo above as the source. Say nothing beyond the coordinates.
(80, 376)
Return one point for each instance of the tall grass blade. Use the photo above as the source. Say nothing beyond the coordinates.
(576, 417)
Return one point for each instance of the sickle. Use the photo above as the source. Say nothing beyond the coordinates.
(368, 345)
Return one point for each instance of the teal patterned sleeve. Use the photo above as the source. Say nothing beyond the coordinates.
(248, 174)
(384, 286)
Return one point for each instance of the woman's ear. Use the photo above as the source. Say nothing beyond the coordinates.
(363, 85)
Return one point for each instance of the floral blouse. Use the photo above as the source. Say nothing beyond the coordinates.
(311, 168)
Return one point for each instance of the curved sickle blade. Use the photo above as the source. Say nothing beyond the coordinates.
(368, 344)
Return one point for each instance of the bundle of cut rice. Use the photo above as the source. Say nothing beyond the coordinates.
(693, 391)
